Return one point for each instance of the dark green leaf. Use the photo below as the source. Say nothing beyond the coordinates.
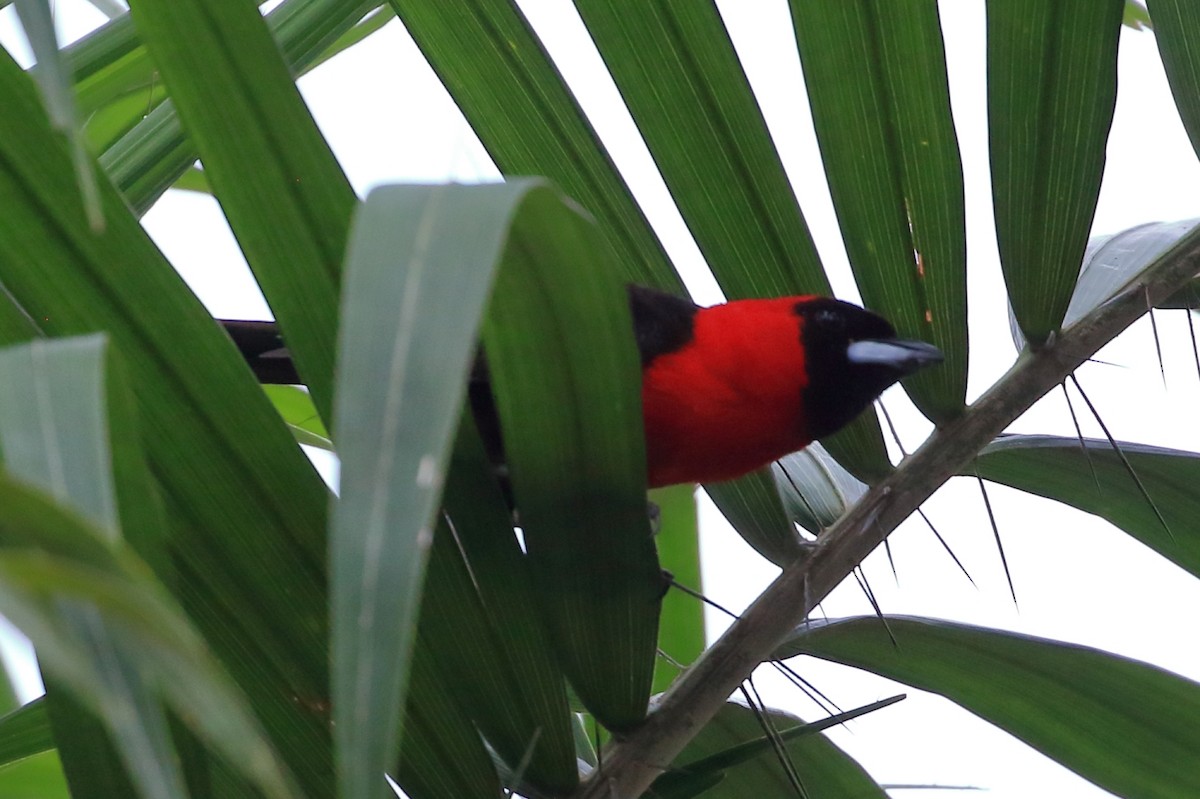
(442, 755)
(876, 77)
(1177, 32)
(678, 73)
(860, 449)
(566, 377)
(238, 491)
(735, 743)
(1127, 726)
(1113, 260)
(684, 785)
(242, 110)
(480, 616)
(1051, 76)
(780, 727)
(1093, 478)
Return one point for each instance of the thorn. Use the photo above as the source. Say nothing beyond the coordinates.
(1124, 460)
(895, 436)
(1107, 363)
(1079, 434)
(803, 499)
(692, 592)
(672, 661)
(772, 734)
(1192, 332)
(1090, 358)
(996, 532)
(782, 668)
(1158, 347)
(888, 549)
(811, 691)
(861, 577)
(946, 546)
(789, 766)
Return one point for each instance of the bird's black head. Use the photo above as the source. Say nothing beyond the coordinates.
(852, 355)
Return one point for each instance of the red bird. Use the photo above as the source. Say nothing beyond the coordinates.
(725, 389)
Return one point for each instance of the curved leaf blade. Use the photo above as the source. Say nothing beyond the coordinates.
(876, 78)
(1063, 469)
(566, 377)
(816, 489)
(55, 434)
(208, 430)
(808, 488)
(1051, 76)
(1113, 260)
(153, 150)
(244, 113)
(1127, 726)
(416, 288)
(480, 617)
(396, 433)
(66, 425)
(1177, 32)
(735, 742)
(50, 557)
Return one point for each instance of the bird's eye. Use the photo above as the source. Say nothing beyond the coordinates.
(829, 318)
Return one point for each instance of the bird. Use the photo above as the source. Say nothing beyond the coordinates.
(726, 389)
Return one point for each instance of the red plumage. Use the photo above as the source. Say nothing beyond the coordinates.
(728, 401)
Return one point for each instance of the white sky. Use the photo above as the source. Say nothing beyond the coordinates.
(1077, 578)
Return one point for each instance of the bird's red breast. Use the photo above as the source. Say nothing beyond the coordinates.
(730, 399)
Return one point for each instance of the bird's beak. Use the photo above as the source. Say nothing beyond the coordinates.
(905, 357)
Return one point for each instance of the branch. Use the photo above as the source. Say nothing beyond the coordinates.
(632, 763)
